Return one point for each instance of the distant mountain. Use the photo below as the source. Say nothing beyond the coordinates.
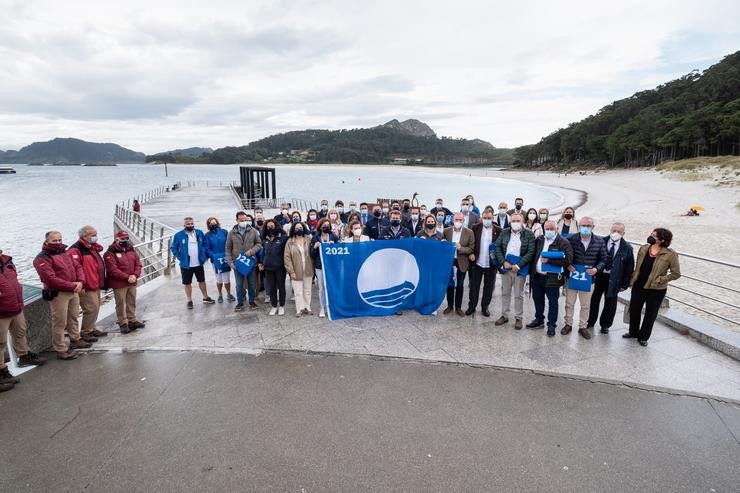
(411, 127)
(408, 142)
(696, 115)
(190, 151)
(189, 155)
(68, 150)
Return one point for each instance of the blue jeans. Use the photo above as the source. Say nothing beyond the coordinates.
(239, 281)
(539, 291)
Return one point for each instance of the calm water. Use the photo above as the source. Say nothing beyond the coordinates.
(37, 198)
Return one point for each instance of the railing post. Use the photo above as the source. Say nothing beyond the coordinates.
(169, 256)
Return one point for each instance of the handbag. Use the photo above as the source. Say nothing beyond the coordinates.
(49, 294)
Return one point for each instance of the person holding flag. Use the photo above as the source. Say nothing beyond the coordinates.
(514, 252)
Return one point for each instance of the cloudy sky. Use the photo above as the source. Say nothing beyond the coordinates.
(156, 75)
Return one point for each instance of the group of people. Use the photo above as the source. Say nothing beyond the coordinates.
(522, 245)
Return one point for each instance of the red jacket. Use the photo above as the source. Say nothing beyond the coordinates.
(92, 263)
(121, 263)
(57, 270)
(11, 292)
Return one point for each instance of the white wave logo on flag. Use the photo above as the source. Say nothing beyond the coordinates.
(387, 278)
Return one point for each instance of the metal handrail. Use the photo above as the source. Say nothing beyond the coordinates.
(697, 257)
(704, 311)
(707, 297)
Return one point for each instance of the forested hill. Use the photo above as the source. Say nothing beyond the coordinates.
(67, 150)
(696, 115)
(409, 141)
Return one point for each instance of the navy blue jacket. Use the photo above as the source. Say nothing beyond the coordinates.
(622, 267)
(273, 250)
(595, 256)
(315, 253)
(375, 225)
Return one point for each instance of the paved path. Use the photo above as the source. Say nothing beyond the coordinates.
(201, 422)
(671, 361)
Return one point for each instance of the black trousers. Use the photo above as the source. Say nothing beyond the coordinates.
(651, 300)
(455, 294)
(540, 290)
(276, 286)
(601, 286)
(478, 274)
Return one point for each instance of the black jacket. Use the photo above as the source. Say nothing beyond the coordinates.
(595, 256)
(274, 248)
(560, 244)
(388, 234)
(315, 253)
(375, 225)
(623, 265)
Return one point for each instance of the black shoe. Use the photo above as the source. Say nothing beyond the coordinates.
(253, 306)
(239, 307)
(31, 359)
(4, 387)
(485, 312)
(604, 330)
(535, 324)
(643, 343)
(551, 332)
(470, 311)
(6, 377)
(628, 336)
(190, 305)
(125, 329)
(209, 301)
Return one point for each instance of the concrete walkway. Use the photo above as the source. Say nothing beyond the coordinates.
(672, 361)
(179, 422)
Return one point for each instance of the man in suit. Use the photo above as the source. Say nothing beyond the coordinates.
(588, 250)
(339, 207)
(513, 241)
(470, 218)
(464, 241)
(483, 268)
(415, 222)
(518, 207)
(376, 223)
(395, 230)
(615, 278)
(502, 218)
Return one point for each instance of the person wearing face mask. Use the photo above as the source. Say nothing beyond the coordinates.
(352, 206)
(295, 217)
(62, 279)
(546, 284)
(395, 229)
(439, 206)
(86, 251)
(364, 213)
(615, 278)
(483, 269)
(502, 218)
(429, 231)
(567, 224)
(347, 228)
(423, 212)
(299, 265)
(215, 241)
(386, 209)
(355, 231)
(532, 222)
(243, 238)
(324, 235)
(657, 265)
(518, 207)
(440, 219)
(544, 216)
(323, 209)
(589, 250)
(473, 208)
(123, 269)
(284, 217)
(519, 242)
(273, 243)
(339, 208)
(414, 224)
(376, 223)
(464, 241)
(189, 248)
(259, 218)
(13, 321)
(335, 219)
(313, 220)
(469, 218)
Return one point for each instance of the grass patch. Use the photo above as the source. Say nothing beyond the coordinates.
(695, 176)
(725, 162)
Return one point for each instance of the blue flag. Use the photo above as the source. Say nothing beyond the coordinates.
(580, 280)
(244, 264)
(548, 267)
(220, 263)
(371, 279)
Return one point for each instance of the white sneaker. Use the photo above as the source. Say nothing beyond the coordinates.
(434, 313)
(322, 314)
(274, 310)
(281, 311)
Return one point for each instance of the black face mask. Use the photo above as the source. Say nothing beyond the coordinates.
(395, 222)
(270, 230)
(123, 244)
(213, 227)
(406, 207)
(299, 232)
(430, 225)
(189, 228)
(651, 240)
(568, 216)
(376, 213)
(326, 229)
(260, 222)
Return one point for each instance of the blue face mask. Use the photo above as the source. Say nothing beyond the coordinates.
(586, 230)
(440, 218)
(550, 235)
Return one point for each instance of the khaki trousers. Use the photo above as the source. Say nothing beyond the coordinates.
(17, 327)
(584, 299)
(302, 292)
(511, 281)
(90, 304)
(65, 311)
(125, 304)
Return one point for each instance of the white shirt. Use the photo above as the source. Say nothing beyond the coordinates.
(515, 244)
(484, 259)
(545, 247)
(193, 249)
(466, 220)
(609, 244)
(456, 238)
(585, 242)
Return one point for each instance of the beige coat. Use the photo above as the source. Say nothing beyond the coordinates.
(667, 260)
(467, 246)
(292, 259)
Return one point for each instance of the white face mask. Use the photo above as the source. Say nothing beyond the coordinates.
(385, 210)
(353, 208)
(543, 217)
(93, 240)
(516, 226)
(502, 211)
(464, 208)
(243, 224)
(312, 217)
(615, 236)
(333, 217)
(458, 224)
(324, 207)
(532, 216)
(357, 232)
